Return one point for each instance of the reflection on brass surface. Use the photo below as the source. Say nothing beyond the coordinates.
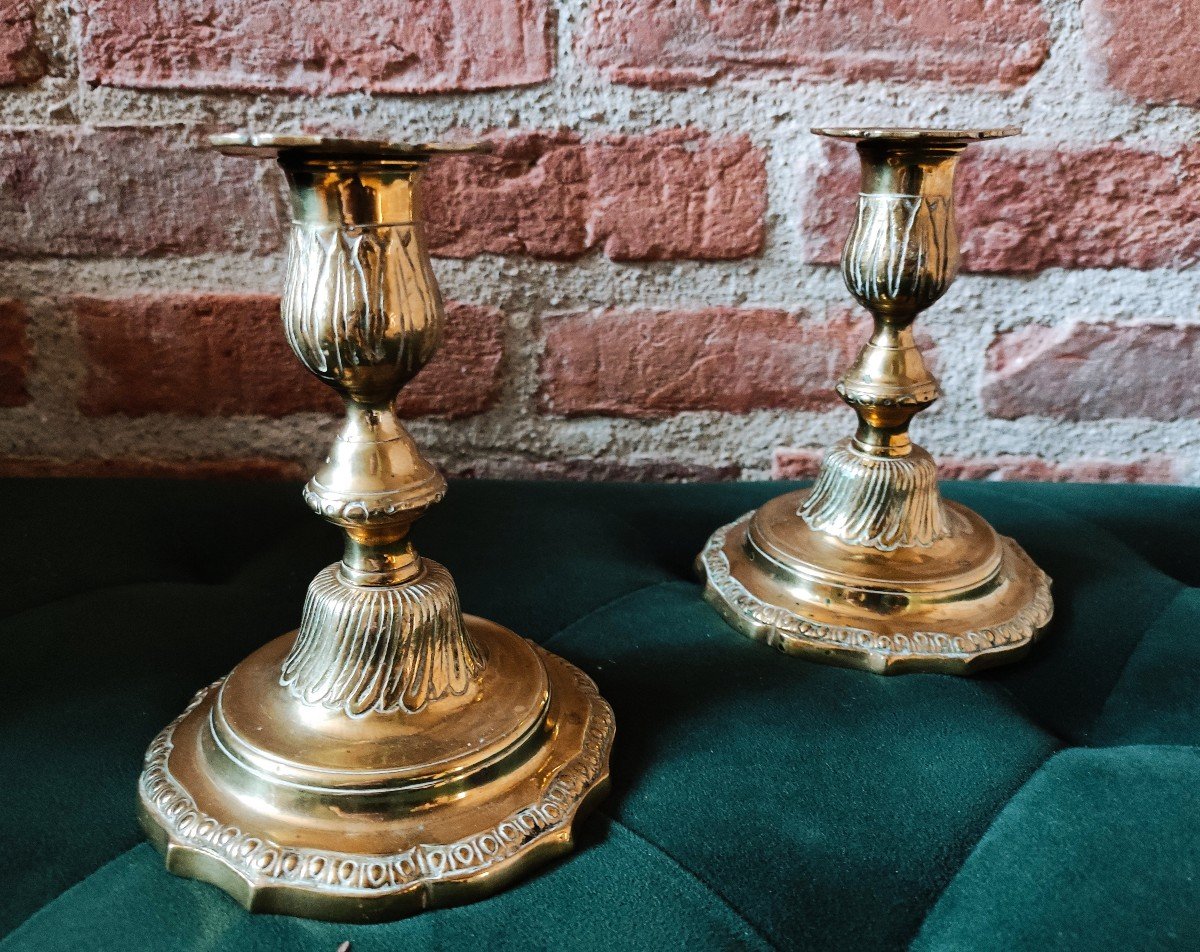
(392, 753)
(871, 568)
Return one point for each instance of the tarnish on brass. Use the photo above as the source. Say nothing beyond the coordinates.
(872, 568)
(392, 753)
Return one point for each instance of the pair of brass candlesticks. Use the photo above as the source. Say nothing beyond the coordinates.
(394, 753)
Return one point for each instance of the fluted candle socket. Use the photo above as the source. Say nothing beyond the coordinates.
(392, 753)
(871, 568)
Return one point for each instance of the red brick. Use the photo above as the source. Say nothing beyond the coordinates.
(466, 374)
(338, 46)
(16, 356)
(1147, 50)
(225, 354)
(159, 191)
(192, 354)
(530, 197)
(137, 467)
(677, 194)
(979, 42)
(672, 194)
(1149, 469)
(594, 470)
(790, 463)
(1084, 371)
(130, 191)
(1026, 210)
(20, 59)
(648, 364)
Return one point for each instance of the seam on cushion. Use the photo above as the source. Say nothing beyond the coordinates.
(1091, 726)
(982, 836)
(1022, 710)
(1066, 751)
(725, 903)
(1150, 626)
(710, 890)
(1137, 645)
(1058, 753)
(565, 629)
(1112, 536)
(12, 934)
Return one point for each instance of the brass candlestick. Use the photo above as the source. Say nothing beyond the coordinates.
(871, 568)
(393, 753)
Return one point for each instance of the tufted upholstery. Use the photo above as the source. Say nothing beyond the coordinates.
(759, 801)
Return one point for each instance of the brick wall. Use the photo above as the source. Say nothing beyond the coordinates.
(642, 276)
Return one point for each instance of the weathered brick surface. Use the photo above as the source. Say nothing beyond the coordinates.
(1024, 210)
(1147, 50)
(336, 46)
(192, 355)
(655, 206)
(647, 363)
(16, 357)
(1086, 371)
(130, 191)
(20, 60)
(979, 42)
(594, 470)
(788, 462)
(210, 354)
(676, 194)
(529, 197)
(671, 194)
(138, 467)
(158, 191)
(465, 376)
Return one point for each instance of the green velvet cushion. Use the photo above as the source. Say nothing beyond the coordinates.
(759, 801)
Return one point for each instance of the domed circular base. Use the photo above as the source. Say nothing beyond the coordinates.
(370, 818)
(966, 602)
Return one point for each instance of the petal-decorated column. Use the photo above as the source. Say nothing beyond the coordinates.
(871, 568)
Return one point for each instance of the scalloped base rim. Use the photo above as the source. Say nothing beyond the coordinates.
(266, 876)
(917, 650)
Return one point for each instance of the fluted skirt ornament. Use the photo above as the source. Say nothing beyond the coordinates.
(872, 568)
(392, 753)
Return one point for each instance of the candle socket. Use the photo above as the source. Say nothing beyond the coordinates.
(872, 568)
(392, 753)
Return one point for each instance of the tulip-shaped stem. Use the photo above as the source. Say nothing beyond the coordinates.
(871, 568)
(879, 489)
(382, 631)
